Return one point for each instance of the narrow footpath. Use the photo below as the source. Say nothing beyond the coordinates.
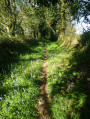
(43, 99)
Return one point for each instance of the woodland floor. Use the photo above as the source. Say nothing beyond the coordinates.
(43, 99)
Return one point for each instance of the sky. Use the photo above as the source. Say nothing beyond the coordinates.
(81, 26)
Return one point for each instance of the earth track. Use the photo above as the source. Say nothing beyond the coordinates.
(43, 99)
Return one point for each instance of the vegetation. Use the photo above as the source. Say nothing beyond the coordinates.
(69, 78)
(25, 27)
(20, 80)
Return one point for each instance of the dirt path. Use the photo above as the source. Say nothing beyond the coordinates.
(43, 99)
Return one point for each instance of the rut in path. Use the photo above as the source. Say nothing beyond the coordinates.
(43, 99)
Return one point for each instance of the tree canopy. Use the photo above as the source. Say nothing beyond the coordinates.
(39, 17)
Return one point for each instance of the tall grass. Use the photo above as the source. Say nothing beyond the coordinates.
(69, 78)
(20, 79)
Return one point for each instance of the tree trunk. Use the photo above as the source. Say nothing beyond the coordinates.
(7, 27)
(8, 31)
(62, 29)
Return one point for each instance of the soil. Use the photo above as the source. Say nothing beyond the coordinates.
(43, 99)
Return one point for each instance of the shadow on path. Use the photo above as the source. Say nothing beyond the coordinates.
(43, 106)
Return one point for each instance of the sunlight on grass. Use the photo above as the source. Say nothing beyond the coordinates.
(21, 87)
(64, 83)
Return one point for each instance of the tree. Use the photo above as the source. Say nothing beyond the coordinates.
(8, 16)
(28, 16)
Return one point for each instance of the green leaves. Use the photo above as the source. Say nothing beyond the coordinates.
(21, 88)
(67, 82)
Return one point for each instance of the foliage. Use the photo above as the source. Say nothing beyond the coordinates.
(25, 17)
(22, 24)
(69, 79)
(20, 78)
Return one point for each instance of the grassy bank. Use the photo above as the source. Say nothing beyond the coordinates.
(69, 79)
(20, 72)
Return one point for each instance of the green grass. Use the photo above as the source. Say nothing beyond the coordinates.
(20, 81)
(69, 80)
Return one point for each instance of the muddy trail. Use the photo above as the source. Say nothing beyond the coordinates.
(43, 99)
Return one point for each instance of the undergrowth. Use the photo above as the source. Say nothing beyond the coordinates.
(20, 72)
(69, 79)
